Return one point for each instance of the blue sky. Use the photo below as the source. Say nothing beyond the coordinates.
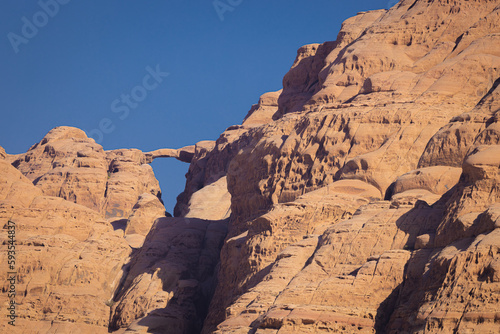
(85, 63)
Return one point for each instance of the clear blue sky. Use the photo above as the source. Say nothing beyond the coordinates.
(78, 66)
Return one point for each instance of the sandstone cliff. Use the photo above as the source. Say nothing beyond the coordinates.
(348, 207)
(89, 225)
(363, 197)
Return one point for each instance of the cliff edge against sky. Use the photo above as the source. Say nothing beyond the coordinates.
(363, 197)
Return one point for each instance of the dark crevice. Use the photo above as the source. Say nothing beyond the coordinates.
(413, 5)
(385, 311)
(492, 89)
(457, 41)
(389, 192)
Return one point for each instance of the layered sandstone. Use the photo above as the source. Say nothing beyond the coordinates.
(405, 101)
(362, 197)
(68, 259)
(169, 281)
(87, 223)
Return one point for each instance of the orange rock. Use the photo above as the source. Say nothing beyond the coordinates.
(362, 197)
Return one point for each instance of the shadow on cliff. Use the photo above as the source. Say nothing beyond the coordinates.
(385, 310)
(173, 274)
(401, 306)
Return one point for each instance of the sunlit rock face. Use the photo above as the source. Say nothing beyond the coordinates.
(362, 197)
(365, 204)
(95, 248)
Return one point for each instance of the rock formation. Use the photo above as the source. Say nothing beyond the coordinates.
(363, 197)
(88, 222)
(68, 259)
(400, 102)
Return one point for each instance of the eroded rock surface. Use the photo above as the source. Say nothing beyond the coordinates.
(362, 197)
(169, 283)
(88, 223)
(68, 260)
(406, 102)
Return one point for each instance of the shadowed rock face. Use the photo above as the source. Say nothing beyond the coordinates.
(363, 197)
(68, 259)
(406, 102)
(94, 248)
(170, 278)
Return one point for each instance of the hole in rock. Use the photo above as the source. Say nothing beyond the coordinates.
(170, 172)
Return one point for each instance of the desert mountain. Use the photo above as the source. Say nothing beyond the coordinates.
(362, 197)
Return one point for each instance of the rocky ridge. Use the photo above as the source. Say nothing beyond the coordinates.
(402, 101)
(85, 221)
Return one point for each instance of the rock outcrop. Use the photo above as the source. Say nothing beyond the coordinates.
(405, 103)
(263, 112)
(87, 224)
(69, 165)
(362, 197)
(170, 280)
(68, 260)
